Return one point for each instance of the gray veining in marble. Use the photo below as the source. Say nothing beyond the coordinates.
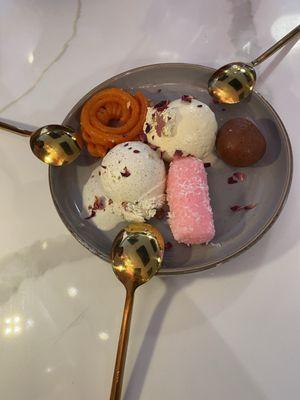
(63, 50)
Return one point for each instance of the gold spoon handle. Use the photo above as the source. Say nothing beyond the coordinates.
(14, 129)
(116, 387)
(276, 46)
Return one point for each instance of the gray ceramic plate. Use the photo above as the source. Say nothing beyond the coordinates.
(267, 183)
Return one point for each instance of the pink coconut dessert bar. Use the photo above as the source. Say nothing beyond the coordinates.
(191, 216)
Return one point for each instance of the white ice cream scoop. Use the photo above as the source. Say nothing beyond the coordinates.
(188, 126)
(133, 176)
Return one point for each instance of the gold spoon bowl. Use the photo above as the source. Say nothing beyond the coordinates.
(53, 144)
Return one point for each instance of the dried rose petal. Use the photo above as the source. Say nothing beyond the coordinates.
(99, 203)
(236, 208)
(187, 98)
(147, 128)
(136, 151)
(160, 124)
(177, 154)
(160, 213)
(168, 246)
(125, 172)
(162, 105)
(153, 147)
(246, 208)
(93, 213)
(231, 180)
(143, 137)
(240, 176)
(207, 164)
(250, 206)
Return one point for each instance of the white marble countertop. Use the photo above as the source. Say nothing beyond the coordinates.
(229, 333)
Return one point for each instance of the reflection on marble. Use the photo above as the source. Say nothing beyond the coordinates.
(218, 334)
(36, 260)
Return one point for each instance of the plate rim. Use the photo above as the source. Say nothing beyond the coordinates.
(264, 229)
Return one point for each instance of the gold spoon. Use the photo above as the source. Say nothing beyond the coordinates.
(53, 144)
(235, 81)
(137, 254)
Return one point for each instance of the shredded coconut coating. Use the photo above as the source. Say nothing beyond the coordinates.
(191, 216)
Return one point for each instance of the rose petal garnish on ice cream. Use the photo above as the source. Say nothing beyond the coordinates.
(162, 105)
(187, 98)
(125, 172)
(93, 213)
(177, 154)
(143, 138)
(160, 123)
(147, 127)
(99, 203)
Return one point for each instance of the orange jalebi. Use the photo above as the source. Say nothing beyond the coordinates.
(126, 111)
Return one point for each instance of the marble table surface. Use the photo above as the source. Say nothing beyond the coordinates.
(229, 333)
